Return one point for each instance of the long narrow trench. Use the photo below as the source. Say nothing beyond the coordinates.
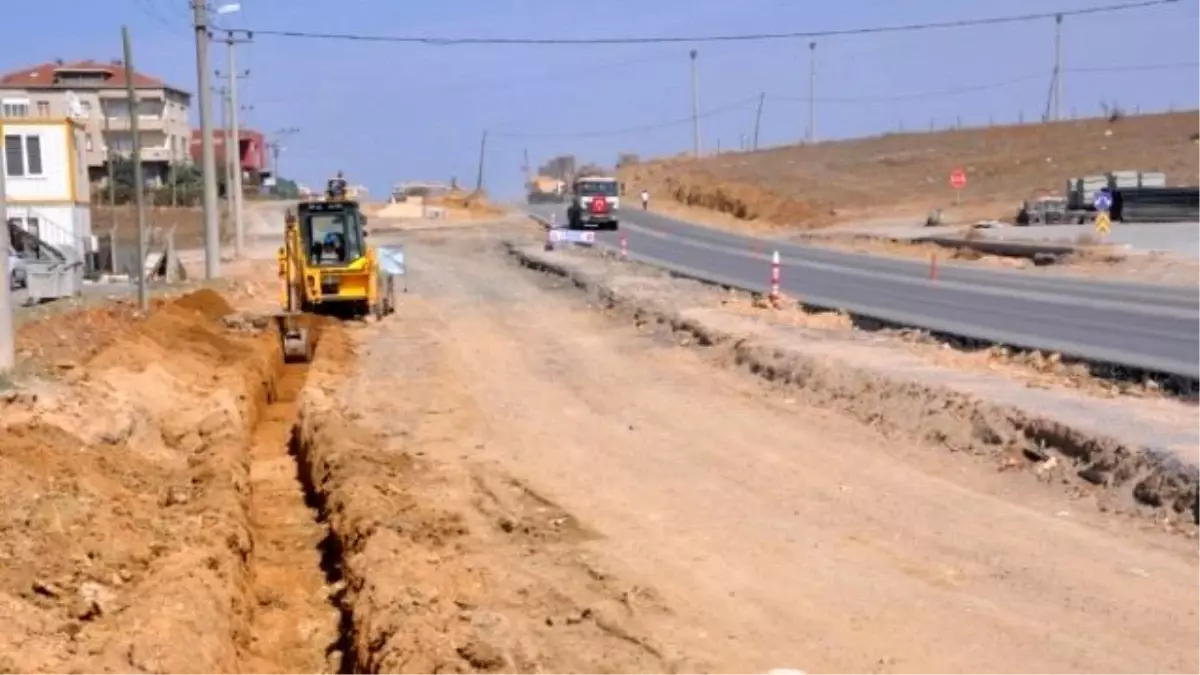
(295, 623)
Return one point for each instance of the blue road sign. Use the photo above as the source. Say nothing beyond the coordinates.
(1102, 200)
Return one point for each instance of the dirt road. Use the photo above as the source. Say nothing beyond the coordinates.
(777, 536)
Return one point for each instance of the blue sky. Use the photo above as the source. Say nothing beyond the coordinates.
(391, 112)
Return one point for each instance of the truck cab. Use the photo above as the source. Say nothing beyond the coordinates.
(595, 203)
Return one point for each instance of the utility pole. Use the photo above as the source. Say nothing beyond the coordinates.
(695, 108)
(1058, 19)
(758, 118)
(226, 156)
(277, 147)
(212, 240)
(528, 169)
(482, 150)
(112, 171)
(232, 39)
(138, 192)
(812, 92)
(8, 349)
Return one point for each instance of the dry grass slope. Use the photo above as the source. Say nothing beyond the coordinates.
(907, 173)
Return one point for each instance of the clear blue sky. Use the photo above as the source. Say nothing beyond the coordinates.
(391, 112)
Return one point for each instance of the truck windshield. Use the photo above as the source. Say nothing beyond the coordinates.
(598, 187)
(333, 238)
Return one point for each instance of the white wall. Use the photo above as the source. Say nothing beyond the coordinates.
(54, 183)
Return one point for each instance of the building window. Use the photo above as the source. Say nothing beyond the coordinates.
(23, 159)
(33, 155)
(43, 108)
(14, 107)
(14, 156)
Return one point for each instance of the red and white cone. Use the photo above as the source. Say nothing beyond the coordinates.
(775, 276)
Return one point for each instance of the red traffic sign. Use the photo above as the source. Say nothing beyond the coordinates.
(958, 178)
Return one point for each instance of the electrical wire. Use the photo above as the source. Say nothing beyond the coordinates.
(149, 10)
(970, 89)
(479, 85)
(736, 105)
(928, 94)
(746, 37)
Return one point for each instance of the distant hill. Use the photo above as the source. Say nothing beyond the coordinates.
(908, 173)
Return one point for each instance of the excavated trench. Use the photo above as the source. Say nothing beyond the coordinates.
(294, 587)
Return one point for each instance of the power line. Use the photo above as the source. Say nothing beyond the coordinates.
(928, 94)
(745, 37)
(637, 129)
(973, 88)
(149, 10)
(478, 85)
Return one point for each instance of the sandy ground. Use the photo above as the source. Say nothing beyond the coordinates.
(504, 476)
(778, 535)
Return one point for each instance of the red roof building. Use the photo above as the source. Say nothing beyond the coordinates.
(87, 74)
(253, 152)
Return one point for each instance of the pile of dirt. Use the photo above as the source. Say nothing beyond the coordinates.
(123, 533)
(807, 186)
(700, 188)
(471, 204)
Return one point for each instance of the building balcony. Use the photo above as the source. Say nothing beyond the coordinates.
(145, 123)
(148, 154)
(120, 94)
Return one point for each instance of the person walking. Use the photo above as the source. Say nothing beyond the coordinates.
(645, 200)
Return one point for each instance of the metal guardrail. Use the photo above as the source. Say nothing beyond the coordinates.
(1102, 355)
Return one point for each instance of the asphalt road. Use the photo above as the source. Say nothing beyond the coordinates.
(1137, 325)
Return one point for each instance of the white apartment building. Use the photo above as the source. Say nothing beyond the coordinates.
(46, 187)
(95, 94)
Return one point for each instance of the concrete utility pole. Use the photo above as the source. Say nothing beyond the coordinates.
(226, 157)
(695, 107)
(112, 175)
(212, 233)
(277, 147)
(812, 92)
(233, 142)
(758, 118)
(482, 151)
(138, 186)
(8, 353)
(1058, 19)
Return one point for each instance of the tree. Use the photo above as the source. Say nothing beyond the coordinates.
(285, 189)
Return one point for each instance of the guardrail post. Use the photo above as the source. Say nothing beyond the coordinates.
(624, 246)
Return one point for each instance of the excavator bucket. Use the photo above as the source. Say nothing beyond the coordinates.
(297, 340)
(297, 347)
